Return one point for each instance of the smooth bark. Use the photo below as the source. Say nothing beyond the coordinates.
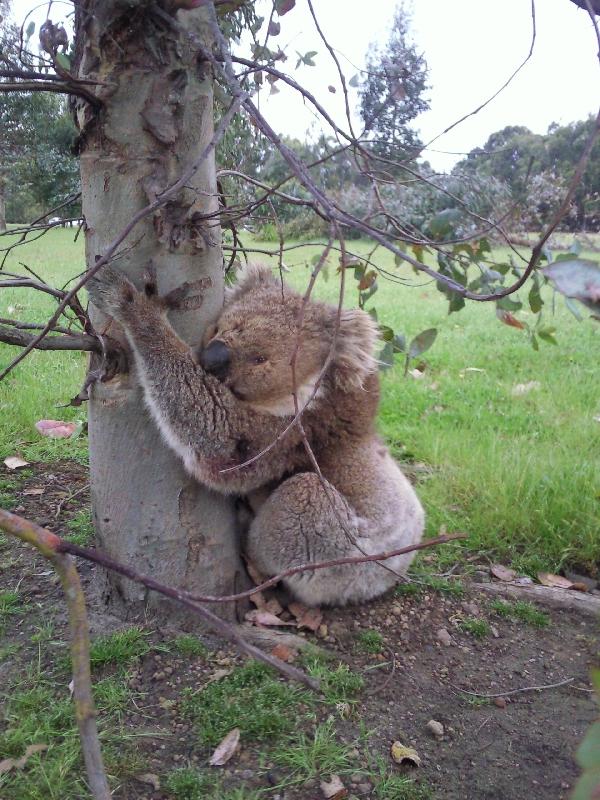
(156, 120)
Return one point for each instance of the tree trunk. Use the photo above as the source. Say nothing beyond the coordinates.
(2, 207)
(157, 119)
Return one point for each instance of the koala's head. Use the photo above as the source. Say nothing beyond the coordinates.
(251, 346)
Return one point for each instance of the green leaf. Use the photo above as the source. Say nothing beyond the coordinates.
(386, 333)
(547, 334)
(444, 223)
(508, 304)
(399, 343)
(573, 308)
(421, 343)
(386, 357)
(283, 6)
(398, 260)
(588, 753)
(30, 30)
(578, 278)
(534, 342)
(457, 302)
(535, 299)
(372, 312)
(354, 81)
(63, 61)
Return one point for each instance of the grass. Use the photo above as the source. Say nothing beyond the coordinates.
(38, 711)
(478, 628)
(369, 641)
(190, 646)
(10, 603)
(120, 648)
(522, 611)
(305, 756)
(81, 528)
(519, 474)
(252, 699)
(422, 582)
(186, 783)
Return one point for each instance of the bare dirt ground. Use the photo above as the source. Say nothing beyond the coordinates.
(511, 747)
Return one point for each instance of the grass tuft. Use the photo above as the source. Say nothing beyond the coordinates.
(190, 646)
(369, 641)
(119, 648)
(252, 698)
(521, 610)
(478, 628)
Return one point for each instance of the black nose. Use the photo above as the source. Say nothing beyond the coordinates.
(215, 358)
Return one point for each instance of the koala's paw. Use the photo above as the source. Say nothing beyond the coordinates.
(112, 292)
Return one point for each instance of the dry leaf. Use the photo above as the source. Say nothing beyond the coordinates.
(579, 587)
(400, 754)
(556, 581)
(218, 674)
(226, 750)
(333, 789)
(259, 617)
(151, 779)
(254, 573)
(273, 605)
(309, 618)
(18, 763)
(503, 573)
(33, 492)
(14, 462)
(284, 653)
(258, 599)
(473, 369)
(55, 429)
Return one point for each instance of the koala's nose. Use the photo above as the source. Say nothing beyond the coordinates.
(216, 358)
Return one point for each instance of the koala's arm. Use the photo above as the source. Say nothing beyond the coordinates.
(209, 428)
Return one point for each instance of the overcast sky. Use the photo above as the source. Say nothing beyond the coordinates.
(471, 47)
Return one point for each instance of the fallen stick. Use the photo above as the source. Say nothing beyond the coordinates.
(565, 599)
(515, 691)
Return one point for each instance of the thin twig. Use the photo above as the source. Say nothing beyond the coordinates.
(515, 691)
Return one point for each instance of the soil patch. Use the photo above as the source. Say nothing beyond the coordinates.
(418, 654)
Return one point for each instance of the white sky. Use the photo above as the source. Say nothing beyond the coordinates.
(471, 47)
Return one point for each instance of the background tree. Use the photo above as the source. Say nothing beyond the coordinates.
(392, 91)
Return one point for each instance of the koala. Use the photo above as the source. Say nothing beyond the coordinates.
(226, 402)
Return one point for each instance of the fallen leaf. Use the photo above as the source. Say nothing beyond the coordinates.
(473, 369)
(33, 492)
(524, 388)
(416, 373)
(218, 674)
(444, 637)
(333, 789)
(259, 617)
(151, 779)
(9, 764)
(273, 605)
(226, 749)
(258, 599)
(309, 618)
(55, 429)
(556, 581)
(400, 753)
(284, 653)
(523, 580)
(14, 462)
(503, 573)
(579, 587)
(71, 687)
(256, 576)
(435, 728)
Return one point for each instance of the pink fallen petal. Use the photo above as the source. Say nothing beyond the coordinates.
(55, 429)
(259, 617)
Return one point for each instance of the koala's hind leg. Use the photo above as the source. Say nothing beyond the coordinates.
(304, 521)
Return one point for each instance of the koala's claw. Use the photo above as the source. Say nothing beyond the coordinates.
(111, 291)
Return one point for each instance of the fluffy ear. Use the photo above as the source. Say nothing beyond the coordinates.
(354, 358)
(250, 276)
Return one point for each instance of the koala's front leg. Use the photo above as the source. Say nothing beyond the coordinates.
(198, 416)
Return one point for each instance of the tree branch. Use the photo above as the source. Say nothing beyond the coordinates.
(70, 341)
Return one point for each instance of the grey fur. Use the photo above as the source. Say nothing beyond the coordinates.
(363, 505)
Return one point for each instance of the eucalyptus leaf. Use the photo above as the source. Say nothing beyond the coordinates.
(386, 357)
(63, 61)
(354, 81)
(421, 343)
(578, 278)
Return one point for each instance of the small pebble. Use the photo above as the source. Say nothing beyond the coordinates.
(500, 702)
(435, 728)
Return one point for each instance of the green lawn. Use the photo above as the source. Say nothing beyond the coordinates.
(519, 474)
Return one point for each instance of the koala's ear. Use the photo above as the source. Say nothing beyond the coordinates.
(356, 344)
(250, 276)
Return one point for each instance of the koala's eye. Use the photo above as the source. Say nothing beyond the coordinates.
(258, 359)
